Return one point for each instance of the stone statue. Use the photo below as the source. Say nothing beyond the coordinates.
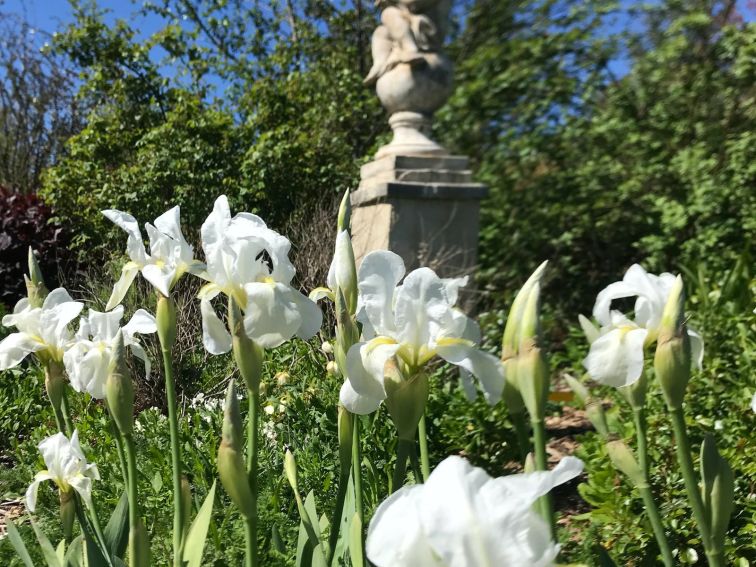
(411, 74)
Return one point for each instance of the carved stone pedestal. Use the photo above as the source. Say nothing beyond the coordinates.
(424, 208)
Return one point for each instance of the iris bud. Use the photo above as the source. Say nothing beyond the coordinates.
(119, 391)
(165, 317)
(231, 468)
(672, 359)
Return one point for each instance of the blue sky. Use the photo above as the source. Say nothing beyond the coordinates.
(49, 15)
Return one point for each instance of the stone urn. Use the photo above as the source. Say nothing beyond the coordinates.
(411, 92)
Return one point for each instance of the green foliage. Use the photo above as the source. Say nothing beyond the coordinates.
(594, 171)
(188, 158)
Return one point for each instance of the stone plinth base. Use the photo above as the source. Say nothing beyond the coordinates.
(424, 208)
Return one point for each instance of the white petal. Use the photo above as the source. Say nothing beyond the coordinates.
(82, 485)
(379, 274)
(56, 297)
(457, 525)
(753, 403)
(15, 347)
(104, 326)
(134, 244)
(31, 492)
(122, 286)
(467, 384)
(160, 277)
(602, 307)
(395, 537)
(616, 358)
(696, 348)
(421, 308)
(529, 487)
(139, 352)
(170, 223)
(215, 337)
(357, 403)
(365, 365)
(277, 312)
(486, 367)
(453, 285)
(88, 367)
(11, 319)
(141, 322)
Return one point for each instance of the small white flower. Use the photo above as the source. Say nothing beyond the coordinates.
(66, 466)
(616, 355)
(42, 330)
(415, 321)
(89, 360)
(326, 347)
(461, 517)
(250, 263)
(138, 427)
(170, 255)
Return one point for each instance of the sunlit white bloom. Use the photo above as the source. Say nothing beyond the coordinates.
(415, 321)
(461, 517)
(170, 255)
(43, 330)
(753, 404)
(66, 466)
(250, 263)
(617, 348)
(90, 358)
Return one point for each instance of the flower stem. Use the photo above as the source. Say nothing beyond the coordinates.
(403, 450)
(424, 458)
(178, 504)
(121, 451)
(252, 468)
(641, 426)
(539, 446)
(357, 481)
(520, 424)
(66, 415)
(682, 444)
(90, 532)
(128, 442)
(338, 510)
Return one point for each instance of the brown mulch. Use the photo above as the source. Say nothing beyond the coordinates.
(10, 510)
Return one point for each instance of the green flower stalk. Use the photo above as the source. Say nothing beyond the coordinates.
(623, 460)
(672, 363)
(346, 440)
(120, 400)
(165, 317)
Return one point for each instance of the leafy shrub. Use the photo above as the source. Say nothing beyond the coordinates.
(25, 220)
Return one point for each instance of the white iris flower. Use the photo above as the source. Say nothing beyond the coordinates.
(617, 348)
(249, 262)
(42, 330)
(415, 321)
(66, 466)
(170, 255)
(90, 359)
(461, 517)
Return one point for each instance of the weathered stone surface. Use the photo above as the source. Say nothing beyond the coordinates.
(424, 208)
